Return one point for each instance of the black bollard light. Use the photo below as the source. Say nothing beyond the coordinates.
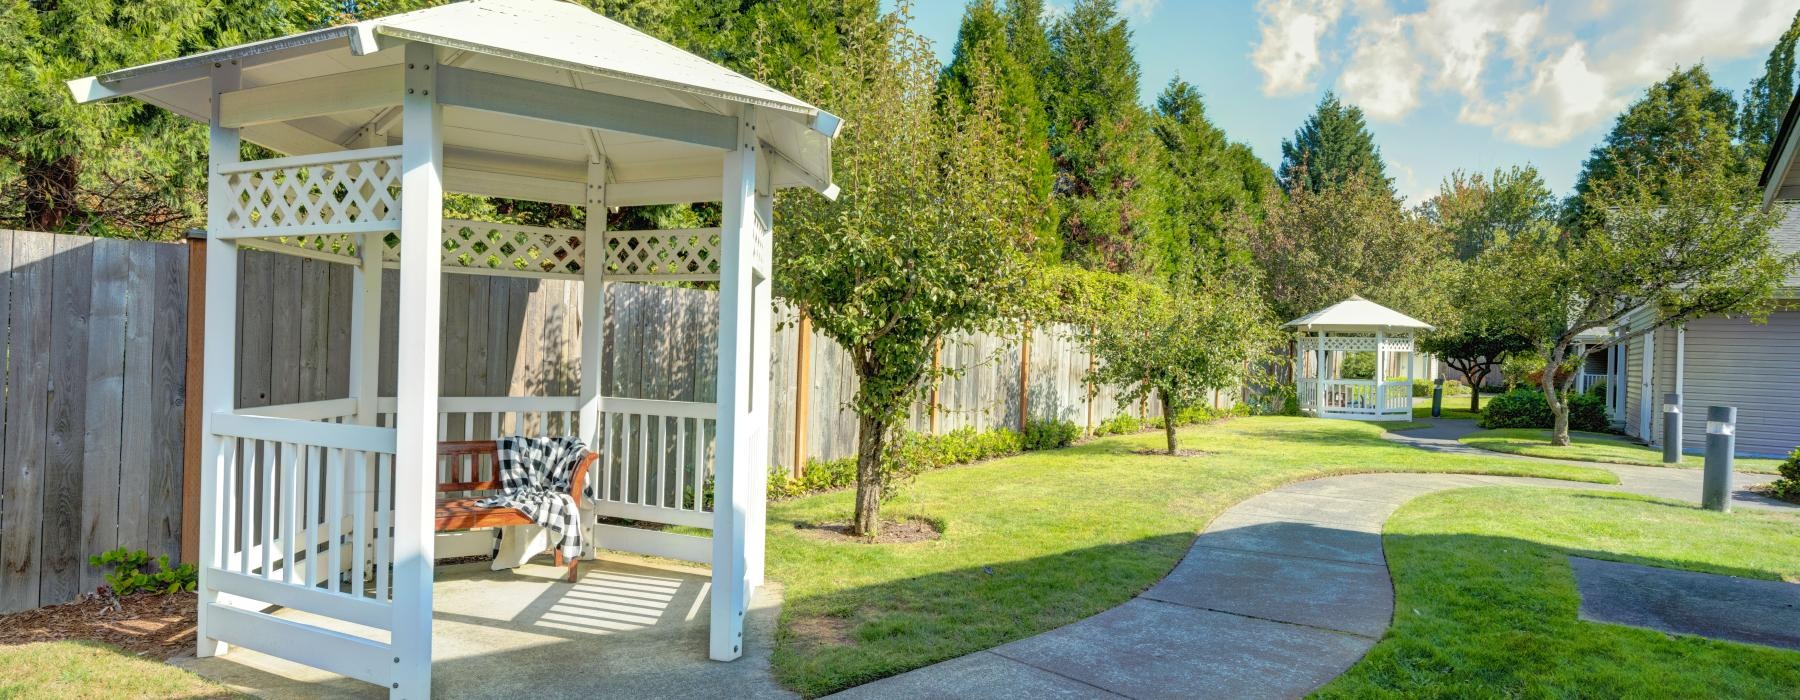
(1671, 428)
(1721, 442)
(1437, 398)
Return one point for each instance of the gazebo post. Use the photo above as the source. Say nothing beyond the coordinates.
(1380, 373)
(415, 462)
(593, 314)
(219, 384)
(738, 243)
(1319, 377)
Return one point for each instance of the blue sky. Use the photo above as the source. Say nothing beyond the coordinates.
(1448, 84)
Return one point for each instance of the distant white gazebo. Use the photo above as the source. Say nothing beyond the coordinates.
(1330, 336)
(329, 508)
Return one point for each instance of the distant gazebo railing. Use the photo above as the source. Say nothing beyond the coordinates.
(1329, 341)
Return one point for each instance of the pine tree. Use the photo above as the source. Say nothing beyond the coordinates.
(1212, 181)
(1028, 37)
(125, 169)
(1105, 161)
(984, 60)
(1768, 97)
(1334, 146)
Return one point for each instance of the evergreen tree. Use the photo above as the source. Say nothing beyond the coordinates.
(1768, 97)
(1682, 124)
(1333, 147)
(1028, 37)
(983, 60)
(1105, 161)
(128, 168)
(1211, 182)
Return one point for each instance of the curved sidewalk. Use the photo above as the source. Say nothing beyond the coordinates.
(1280, 594)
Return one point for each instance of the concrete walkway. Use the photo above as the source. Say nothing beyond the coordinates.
(1280, 594)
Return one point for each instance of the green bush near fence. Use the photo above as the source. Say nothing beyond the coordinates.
(914, 453)
(1050, 434)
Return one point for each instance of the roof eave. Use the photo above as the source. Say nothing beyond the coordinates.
(175, 71)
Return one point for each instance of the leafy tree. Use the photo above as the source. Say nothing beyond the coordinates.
(928, 236)
(984, 46)
(1318, 247)
(1683, 121)
(1106, 199)
(1690, 240)
(1481, 331)
(1767, 99)
(1181, 341)
(127, 168)
(1479, 210)
(1212, 181)
(1332, 148)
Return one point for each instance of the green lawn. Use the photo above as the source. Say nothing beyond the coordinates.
(88, 670)
(1454, 407)
(1037, 541)
(1485, 603)
(1594, 447)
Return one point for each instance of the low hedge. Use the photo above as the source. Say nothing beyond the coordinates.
(1787, 487)
(1523, 407)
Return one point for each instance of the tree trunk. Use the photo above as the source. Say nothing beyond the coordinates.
(871, 438)
(1168, 420)
(1475, 382)
(1559, 410)
(50, 192)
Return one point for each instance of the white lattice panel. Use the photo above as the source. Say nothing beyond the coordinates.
(334, 247)
(1401, 344)
(680, 254)
(332, 193)
(1351, 343)
(508, 248)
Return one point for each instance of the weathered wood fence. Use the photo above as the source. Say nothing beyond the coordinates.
(96, 357)
(97, 419)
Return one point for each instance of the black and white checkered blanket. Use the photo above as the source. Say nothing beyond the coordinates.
(535, 474)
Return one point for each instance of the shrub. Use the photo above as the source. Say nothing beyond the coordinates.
(1453, 387)
(1526, 408)
(1050, 434)
(910, 454)
(1787, 487)
(1358, 365)
(1598, 389)
(128, 575)
(1121, 424)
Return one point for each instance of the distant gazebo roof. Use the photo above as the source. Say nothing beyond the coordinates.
(1356, 314)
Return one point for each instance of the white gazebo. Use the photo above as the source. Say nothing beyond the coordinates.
(328, 507)
(1327, 337)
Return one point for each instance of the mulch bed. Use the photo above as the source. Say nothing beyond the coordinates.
(892, 532)
(154, 626)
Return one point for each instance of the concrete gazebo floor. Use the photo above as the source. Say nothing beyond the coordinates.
(631, 627)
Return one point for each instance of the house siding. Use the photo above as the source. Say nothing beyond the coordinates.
(1733, 362)
(1634, 383)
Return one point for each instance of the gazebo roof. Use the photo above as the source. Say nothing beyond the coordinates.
(686, 103)
(1356, 314)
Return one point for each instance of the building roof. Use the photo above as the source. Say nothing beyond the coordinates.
(1356, 314)
(547, 41)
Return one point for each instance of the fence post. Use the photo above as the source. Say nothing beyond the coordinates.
(1024, 377)
(802, 389)
(194, 396)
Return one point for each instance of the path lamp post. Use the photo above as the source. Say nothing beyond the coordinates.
(1437, 398)
(1671, 428)
(1721, 442)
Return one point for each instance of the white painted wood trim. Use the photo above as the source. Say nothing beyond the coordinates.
(661, 544)
(730, 589)
(307, 410)
(415, 473)
(671, 191)
(667, 516)
(363, 611)
(220, 363)
(353, 228)
(332, 93)
(593, 303)
(350, 156)
(365, 438)
(1647, 390)
(343, 654)
(492, 184)
(566, 105)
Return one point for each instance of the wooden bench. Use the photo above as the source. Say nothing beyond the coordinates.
(462, 513)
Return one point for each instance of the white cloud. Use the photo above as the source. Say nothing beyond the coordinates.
(1288, 52)
(1139, 8)
(1516, 66)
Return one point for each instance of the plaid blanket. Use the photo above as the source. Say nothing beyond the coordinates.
(535, 474)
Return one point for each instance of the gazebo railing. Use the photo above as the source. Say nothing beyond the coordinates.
(301, 510)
